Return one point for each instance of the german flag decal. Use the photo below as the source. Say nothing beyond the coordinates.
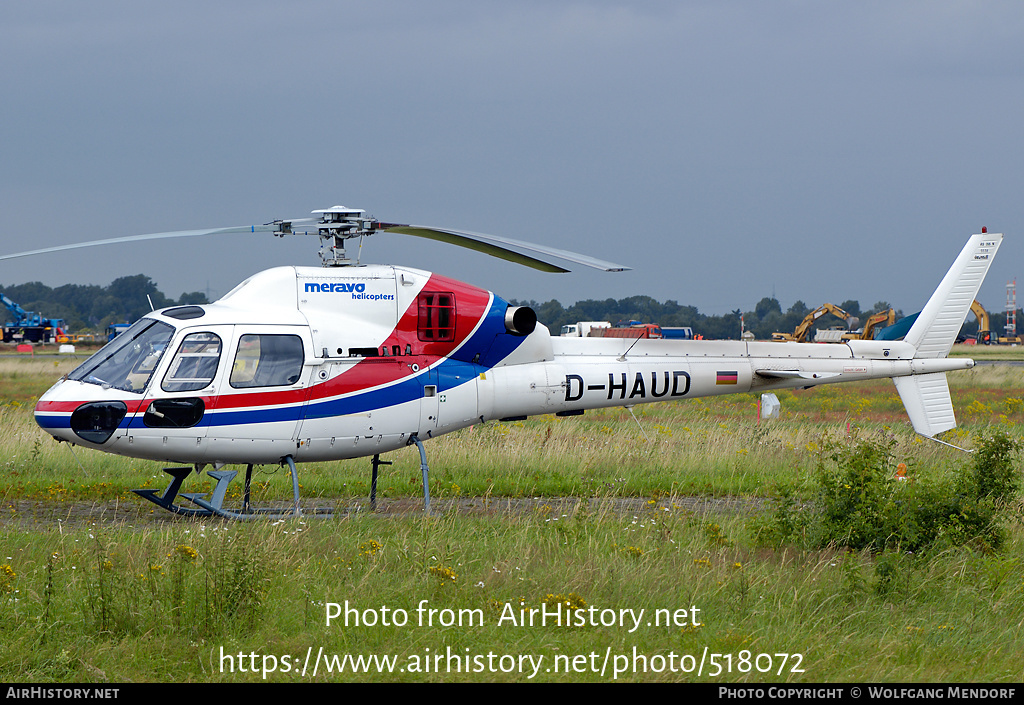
(728, 377)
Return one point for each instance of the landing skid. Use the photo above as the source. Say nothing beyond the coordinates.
(214, 506)
(166, 500)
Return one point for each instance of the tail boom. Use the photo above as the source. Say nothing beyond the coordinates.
(591, 373)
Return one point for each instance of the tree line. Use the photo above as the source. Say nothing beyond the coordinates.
(126, 299)
(92, 307)
(765, 318)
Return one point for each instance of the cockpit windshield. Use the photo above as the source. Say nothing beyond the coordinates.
(129, 360)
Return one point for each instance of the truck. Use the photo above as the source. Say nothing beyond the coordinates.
(28, 326)
(582, 329)
(638, 330)
(116, 329)
(677, 332)
(604, 329)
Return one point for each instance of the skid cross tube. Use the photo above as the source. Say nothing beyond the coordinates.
(376, 462)
(166, 500)
(425, 471)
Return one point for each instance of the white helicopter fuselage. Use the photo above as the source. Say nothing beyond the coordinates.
(324, 364)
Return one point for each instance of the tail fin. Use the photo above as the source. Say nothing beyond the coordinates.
(926, 396)
(936, 328)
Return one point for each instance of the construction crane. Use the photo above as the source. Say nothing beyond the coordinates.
(28, 326)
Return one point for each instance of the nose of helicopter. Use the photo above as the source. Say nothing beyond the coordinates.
(70, 411)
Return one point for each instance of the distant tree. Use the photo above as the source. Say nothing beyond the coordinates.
(878, 308)
(799, 309)
(773, 322)
(192, 297)
(24, 294)
(724, 327)
(768, 304)
(107, 309)
(851, 307)
(137, 295)
(551, 314)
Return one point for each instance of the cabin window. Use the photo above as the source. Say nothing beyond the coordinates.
(267, 361)
(195, 363)
(436, 321)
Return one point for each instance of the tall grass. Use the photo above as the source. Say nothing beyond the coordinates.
(166, 600)
(103, 604)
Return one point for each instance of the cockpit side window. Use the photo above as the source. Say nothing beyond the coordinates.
(194, 365)
(128, 361)
(267, 361)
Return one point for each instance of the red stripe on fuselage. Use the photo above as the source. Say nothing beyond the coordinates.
(57, 407)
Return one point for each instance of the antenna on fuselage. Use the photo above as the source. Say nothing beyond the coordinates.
(622, 358)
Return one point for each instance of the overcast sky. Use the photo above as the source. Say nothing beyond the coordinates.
(822, 151)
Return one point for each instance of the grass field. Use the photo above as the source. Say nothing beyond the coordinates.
(989, 352)
(615, 517)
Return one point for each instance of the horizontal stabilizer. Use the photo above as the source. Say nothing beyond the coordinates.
(796, 374)
(928, 404)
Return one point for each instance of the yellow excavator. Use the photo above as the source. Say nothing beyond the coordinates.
(882, 319)
(984, 335)
(878, 320)
(800, 333)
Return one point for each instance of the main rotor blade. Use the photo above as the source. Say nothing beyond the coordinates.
(492, 245)
(269, 228)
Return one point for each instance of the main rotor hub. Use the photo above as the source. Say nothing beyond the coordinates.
(337, 224)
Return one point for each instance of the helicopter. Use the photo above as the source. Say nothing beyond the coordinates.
(301, 364)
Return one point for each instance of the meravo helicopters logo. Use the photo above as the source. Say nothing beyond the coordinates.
(356, 289)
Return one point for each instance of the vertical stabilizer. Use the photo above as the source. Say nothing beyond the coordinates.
(940, 321)
(926, 396)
